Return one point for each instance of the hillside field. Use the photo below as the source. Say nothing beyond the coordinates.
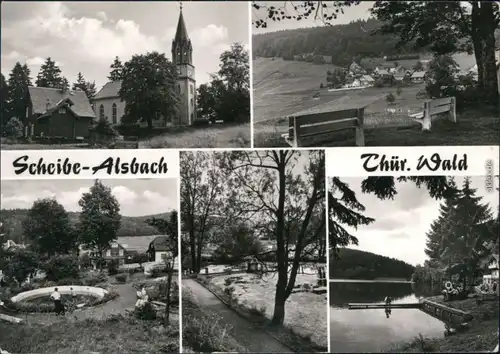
(282, 88)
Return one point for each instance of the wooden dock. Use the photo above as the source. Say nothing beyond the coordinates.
(362, 306)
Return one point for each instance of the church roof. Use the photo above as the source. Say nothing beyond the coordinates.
(181, 33)
(110, 90)
(44, 98)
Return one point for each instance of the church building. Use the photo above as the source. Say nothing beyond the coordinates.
(107, 103)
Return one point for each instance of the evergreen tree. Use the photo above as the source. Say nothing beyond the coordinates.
(91, 90)
(440, 227)
(19, 80)
(116, 72)
(49, 75)
(64, 85)
(467, 242)
(4, 99)
(80, 83)
(85, 86)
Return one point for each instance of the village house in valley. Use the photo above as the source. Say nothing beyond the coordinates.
(159, 249)
(58, 112)
(108, 105)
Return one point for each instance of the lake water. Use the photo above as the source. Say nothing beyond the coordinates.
(371, 330)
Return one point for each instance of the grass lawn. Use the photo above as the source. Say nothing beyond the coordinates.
(116, 334)
(482, 335)
(212, 136)
(305, 312)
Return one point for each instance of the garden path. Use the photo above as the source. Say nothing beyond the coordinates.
(248, 336)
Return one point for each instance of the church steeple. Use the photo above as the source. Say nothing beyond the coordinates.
(182, 51)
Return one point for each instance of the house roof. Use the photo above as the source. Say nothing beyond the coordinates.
(383, 72)
(109, 90)
(161, 243)
(367, 78)
(136, 243)
(44, 99)
(418, 74)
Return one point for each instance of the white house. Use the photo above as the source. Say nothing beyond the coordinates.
(493, 269)
(160, 250)
(418, 76)
(367, 80)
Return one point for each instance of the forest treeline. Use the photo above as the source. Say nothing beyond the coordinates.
(356, 264)
(12, 220)
(343, 43)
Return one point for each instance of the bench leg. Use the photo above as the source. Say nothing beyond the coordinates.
(425, 122)
(453, 110)
(360, 136)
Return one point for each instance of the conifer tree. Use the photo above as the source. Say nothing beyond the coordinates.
(49, 75)
(17, 93)
(116, 72)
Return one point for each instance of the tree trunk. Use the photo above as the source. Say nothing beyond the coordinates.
(279, 304)
(490, 72)
(150, 122)
(281, 250)
(483, 39)
(169, 285)
(192, 246)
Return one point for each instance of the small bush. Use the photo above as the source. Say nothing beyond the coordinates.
(121, 278)
(128, 129)
(390, 98)
(104, 127)
(112, 267)
(13, 128)
(228, 281)
(70, 281)
(95, 279)
(145, 312)
(61, 267)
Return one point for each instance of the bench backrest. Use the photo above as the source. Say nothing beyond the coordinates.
(324, 122)
(440, 105)
(126, 144)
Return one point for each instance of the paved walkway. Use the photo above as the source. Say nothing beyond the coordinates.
(250, 337)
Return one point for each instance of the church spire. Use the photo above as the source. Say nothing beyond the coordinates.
(181, 33)
(182, 51)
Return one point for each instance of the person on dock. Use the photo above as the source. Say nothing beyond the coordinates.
(388, 301)
(58, 306)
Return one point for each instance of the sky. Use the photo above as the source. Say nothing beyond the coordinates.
(401, 224)
(353, 13)
(86, 36)
(137, 197)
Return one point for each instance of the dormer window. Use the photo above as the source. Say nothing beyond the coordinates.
(62, 110)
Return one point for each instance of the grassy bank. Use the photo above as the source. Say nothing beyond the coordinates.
(117, 334)
(203, 333)
(481, 336)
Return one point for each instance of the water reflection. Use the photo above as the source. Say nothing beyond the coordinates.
(370, 330)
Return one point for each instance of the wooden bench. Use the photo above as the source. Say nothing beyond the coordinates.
(309, 124)
(128, 143)
(434, 107)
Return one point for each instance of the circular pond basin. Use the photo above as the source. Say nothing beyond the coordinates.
(83, 294)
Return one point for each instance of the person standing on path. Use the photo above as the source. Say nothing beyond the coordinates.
(58, 306)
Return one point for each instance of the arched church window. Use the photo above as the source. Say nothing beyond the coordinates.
(191, 89)
(192, 103)
(101, 111)
(114, 114)
(179, 88)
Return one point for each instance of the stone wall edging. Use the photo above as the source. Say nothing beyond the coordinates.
(63, 290)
